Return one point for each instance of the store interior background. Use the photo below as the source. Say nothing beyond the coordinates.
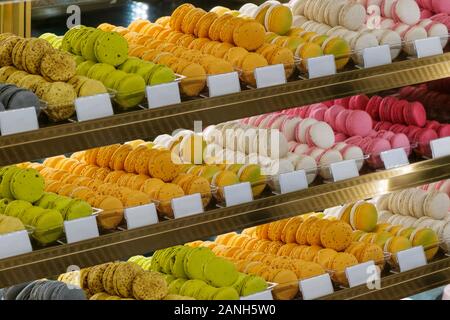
(51, 16)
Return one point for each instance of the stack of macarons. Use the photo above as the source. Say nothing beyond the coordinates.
(433, 96)
(98, 176)
(26, 187)
(337, 27)
(434, 6)
(408, 117)
(55, 41)
(301, 244)
(175, 49)
(95, 62)
(119, 281)
(392, 235)
(405, 18)
(214, 33)
(195, 271)
(222, 166)
(442, 186)
(394, 118)
(299, 124)
(443, 18)
(240, 143)
(416, 203)
(35, 65)
(42, 290)
(245, 33)
(13, 97)
(96, 45)
(348, 14)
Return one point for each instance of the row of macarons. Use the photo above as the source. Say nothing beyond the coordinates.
(367, 34)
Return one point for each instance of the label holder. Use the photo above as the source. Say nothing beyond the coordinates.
(343, 170)
(222, 84)
(377, 56)
(293, 181)
(187, 206)
(81, 229)
(141, 216)
(394, 158)
(237, 194)
(270, 76)
(321, 66)
(316, 287)
(18, 120)
(162, 95)
(93, 107)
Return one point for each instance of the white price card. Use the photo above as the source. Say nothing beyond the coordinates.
(238, 194)
(263, 295)
(428, 47)
(81, 229)
(293, 181)
(321, 66)
(141, 216)
(270, 76)
(394, 158)
(93, 107)
(343, 170)
(440, 147)
(162, 95)
(411, 258)
(187, 205)
(361, 273)
(14, 244)
(316, 287)
(18, 120)
(222, 84)
(377, 56)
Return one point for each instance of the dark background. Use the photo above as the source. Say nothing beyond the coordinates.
(51, 16)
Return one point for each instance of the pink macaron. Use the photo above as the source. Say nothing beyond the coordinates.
(258, 120)
(358, 123)
(412, 131)
(339, 137)
(331, 114)
(318, 112)
(320, 134)
(441, 6)
(400, 140)
(276, 121)
(287, 127)
(343, 102)
(301, 149)
(354, 140)
(341, 119)
(358, 102)
(406, 11)
(444, 131)
(300, 129)
(377, 146)
(397, 111)
(385, 125)
(373, 107)
(423, 138)
(425, 14)
(415, 114)
(445, 187)
(433, 124)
